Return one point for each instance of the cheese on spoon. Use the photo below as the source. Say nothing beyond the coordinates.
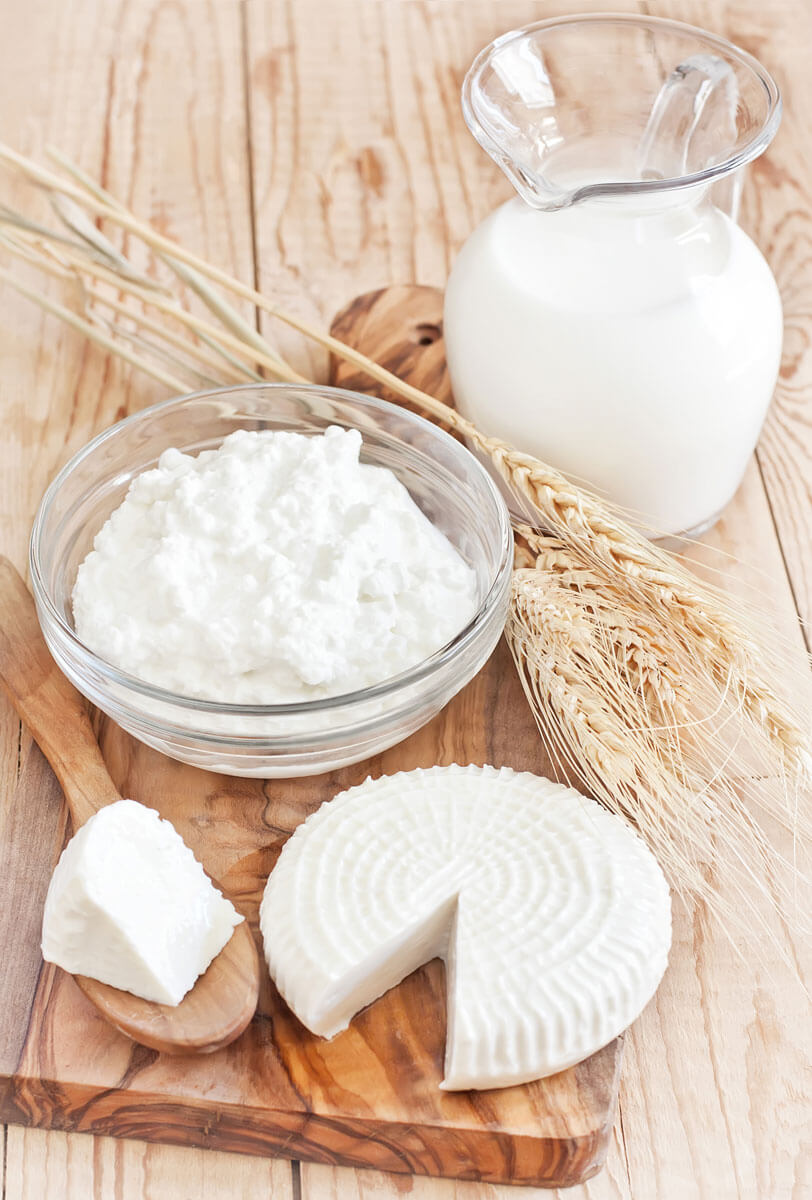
(130, 905)
(552, 916)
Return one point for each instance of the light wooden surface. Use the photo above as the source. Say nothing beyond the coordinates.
(361, 173)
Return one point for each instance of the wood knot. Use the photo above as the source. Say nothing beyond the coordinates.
(427, 333)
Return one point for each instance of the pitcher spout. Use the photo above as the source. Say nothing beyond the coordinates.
(571, 109)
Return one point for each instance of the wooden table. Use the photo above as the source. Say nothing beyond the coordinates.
(317, 147)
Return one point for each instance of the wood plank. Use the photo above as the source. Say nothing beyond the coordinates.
(724, 1001)
(777, 214)
(735, 1125)
(785, 174)
(32, 830)
(341, 1183)
(46, 1165)
(183, 163)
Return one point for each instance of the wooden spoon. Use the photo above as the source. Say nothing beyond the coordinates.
(224, 998)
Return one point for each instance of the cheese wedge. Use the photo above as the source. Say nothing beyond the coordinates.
(130, 905)
(552, 916)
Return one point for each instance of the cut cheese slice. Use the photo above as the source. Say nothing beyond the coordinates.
(130, 905)
(552, 916)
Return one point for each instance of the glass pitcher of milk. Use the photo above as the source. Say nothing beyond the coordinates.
(613, 319)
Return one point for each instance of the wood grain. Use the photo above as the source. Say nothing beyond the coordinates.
(95, 81)
(48, 704)
(403, 326)
(339, 1183)
(776, 213)
(33, 823)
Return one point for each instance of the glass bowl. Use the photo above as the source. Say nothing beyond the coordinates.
(272, 741)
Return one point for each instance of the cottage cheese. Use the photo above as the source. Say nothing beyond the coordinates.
(276, 568)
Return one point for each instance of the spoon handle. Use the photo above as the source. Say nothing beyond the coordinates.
(48, 704)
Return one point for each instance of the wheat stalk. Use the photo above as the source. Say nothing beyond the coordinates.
(648, 685)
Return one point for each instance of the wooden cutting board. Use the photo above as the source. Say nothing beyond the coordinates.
(368, 1098)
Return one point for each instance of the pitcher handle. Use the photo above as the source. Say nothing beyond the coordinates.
(679, 136)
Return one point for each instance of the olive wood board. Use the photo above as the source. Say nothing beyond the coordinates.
(370, 1097)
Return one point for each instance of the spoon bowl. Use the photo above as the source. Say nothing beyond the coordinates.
(224, 998)
(216, 1011)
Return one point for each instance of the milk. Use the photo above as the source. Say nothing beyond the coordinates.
(634, 344)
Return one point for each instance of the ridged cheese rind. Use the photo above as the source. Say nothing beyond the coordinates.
(552, 915)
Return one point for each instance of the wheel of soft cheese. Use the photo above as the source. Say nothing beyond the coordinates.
(552, 916)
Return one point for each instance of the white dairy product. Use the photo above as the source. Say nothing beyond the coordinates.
(634, 344)
(130, 905)
(276, 568)
(552, 916)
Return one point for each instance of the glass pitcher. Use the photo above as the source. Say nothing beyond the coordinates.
(613, 319)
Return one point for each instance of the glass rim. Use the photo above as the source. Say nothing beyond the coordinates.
(756, 145)
(420, 671)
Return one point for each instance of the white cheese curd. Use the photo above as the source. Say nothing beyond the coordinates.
(277, 568)
(130, 905)
(552, 916)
